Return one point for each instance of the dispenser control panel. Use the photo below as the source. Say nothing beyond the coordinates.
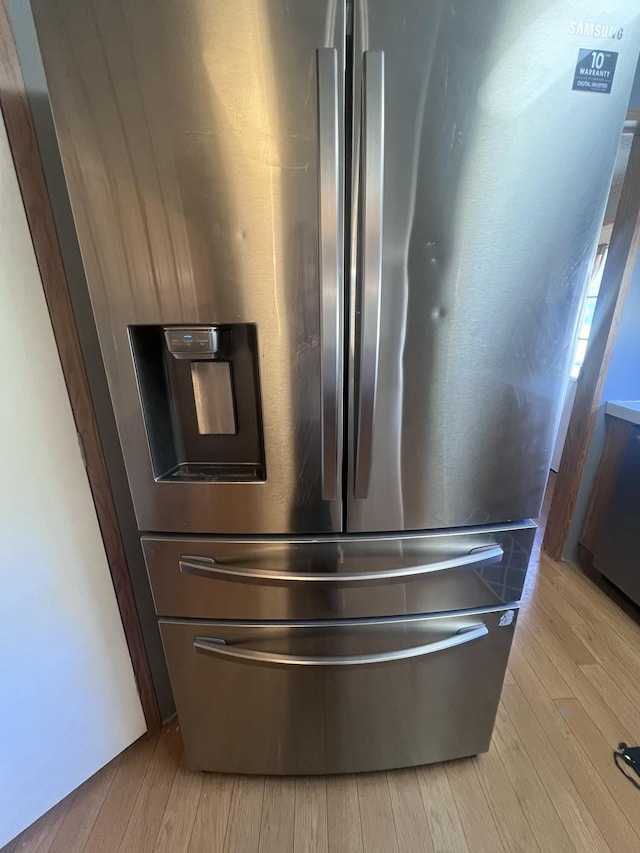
(192, 342)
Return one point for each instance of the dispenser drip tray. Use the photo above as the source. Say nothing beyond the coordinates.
(209, 472)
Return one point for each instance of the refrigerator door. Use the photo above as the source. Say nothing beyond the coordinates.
(337, 697)
(337, 578)
(483, 150)
(203, 150)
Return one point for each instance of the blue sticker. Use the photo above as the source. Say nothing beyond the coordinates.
(594, 70)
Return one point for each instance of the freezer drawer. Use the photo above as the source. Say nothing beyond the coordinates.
(333, 578)
(337, 697)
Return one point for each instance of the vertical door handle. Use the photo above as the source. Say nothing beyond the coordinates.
(330, 272)
(371, 261)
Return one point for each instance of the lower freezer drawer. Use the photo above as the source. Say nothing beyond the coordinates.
(341, 697)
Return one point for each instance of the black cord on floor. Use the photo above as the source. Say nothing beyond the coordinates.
(621, 760)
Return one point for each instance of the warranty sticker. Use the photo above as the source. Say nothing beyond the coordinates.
(595, 70)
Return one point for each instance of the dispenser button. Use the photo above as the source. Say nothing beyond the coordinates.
(182, 342)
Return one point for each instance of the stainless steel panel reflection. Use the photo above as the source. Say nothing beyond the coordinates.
(213, 397)
(495, 181)
(250, 716)
(207, 595)
(189, 139)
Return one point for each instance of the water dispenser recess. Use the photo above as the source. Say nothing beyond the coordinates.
(200, 396)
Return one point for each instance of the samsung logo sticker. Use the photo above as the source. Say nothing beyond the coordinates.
(599, 31)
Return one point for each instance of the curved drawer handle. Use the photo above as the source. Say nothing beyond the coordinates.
(215, 647)
(207, 567)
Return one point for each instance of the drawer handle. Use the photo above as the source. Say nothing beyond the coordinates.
(215, 647)
(207, 567)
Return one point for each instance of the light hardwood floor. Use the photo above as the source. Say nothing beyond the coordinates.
(547, 784)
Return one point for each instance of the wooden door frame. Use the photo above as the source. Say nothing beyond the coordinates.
(616, 277)
(16, 112)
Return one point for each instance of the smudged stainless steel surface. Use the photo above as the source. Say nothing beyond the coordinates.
(496, 178)
(189, 139)
(190, 142)
(384, 708)
(216, 578)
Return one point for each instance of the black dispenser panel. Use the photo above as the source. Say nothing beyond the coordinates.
(200, 393)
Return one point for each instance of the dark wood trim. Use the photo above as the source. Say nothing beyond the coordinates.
(585, 559)
(26, 156)
(623, 250)
(618, 433)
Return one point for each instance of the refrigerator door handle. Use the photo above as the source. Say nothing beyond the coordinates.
(215, 647)
(371, 264)
(330, 272)
(208, 567)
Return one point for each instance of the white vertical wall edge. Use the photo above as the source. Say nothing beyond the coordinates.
(68, 699)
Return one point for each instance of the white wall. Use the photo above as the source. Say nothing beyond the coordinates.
(68, 700)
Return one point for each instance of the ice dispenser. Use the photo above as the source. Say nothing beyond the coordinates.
(200, 397)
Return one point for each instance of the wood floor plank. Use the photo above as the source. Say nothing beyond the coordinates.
(38, 838)
(592, 601)
(212, 816)
(600, 753)
(556, 601)
(83, 811)
(477, 821)
(542, 663)
(245, 815)
(179, 814)
(511, 821)
(409, 815)
(532, 794)
(108, 829)
(554, 683)
(445, 827)
(310, 826)
(566, 636)
(617, 657)
(601, 713)
(607, 645)
(378, 830)
(610, 625)
(594, 793)
(343, 815)
(571, 809)
(617, 699)
(143, 825)
(278, 811)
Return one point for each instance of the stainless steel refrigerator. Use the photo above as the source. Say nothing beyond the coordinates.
(336, 254)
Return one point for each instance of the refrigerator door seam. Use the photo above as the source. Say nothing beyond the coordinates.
(510, 607)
